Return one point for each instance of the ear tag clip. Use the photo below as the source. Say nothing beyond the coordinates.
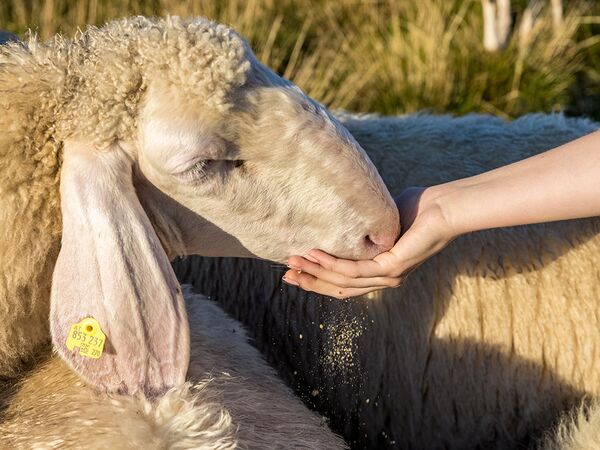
(88, 336)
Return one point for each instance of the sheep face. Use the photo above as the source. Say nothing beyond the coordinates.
(275, 175)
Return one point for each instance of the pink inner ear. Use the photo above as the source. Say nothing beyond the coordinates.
(112, 268)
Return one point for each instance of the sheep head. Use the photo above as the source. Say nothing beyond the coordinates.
(178, 141)
(273, 176)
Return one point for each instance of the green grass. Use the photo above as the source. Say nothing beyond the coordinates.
(387, 56)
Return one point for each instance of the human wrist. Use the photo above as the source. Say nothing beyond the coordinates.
(448, 198)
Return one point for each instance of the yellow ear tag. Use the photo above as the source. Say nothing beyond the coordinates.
(88, 336)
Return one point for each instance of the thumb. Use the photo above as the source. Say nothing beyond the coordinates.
(414, 247)
(408, 206)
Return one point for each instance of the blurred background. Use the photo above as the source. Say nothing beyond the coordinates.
(390, 56)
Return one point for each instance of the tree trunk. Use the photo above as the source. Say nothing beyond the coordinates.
(557, 13)
(496, 24)
(504, 21)
(528, 21)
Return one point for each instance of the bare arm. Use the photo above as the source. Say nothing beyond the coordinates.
(563, 183)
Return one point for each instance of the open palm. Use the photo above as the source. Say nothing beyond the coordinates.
(425, 231)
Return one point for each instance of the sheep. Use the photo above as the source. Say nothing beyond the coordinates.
(144, 140)
(484, 346)
(233, 399)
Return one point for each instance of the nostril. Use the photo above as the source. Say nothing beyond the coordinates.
(369, 240)
(383, 241)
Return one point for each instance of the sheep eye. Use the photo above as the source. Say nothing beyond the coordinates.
(198, 171)
(203, 167)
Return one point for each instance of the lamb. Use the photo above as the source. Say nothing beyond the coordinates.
(484, 346)
(233, 400)
(141, 141)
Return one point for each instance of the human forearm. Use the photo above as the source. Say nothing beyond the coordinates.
(563, 183)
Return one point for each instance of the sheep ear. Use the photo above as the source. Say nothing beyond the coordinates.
(112, 268)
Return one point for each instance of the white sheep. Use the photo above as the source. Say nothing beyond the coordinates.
(167, 138)
(121, 149)
(484, 346)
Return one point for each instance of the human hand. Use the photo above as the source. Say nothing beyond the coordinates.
(425, 231)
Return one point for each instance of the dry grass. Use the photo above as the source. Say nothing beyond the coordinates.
(391, 56)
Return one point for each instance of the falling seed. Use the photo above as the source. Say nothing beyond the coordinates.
(367, 400)
(300, 335)
(340, 344)
(321, 326)
(314, 392)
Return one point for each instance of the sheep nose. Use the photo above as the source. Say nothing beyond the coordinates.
(383, 240)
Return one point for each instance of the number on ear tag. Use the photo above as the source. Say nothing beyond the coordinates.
(88, 336)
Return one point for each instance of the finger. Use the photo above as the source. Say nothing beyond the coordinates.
(337, 279)
(312, 284)
(352, 269)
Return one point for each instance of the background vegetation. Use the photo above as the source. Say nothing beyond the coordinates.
(387, 56)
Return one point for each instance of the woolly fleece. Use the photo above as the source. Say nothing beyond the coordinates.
(233, 400)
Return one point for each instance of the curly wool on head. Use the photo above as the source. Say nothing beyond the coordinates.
(99, 78)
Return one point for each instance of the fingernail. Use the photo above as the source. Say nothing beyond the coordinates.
(310, 258)
(288, 281)
(297, 269)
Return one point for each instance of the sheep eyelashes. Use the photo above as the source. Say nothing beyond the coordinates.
(113, 278)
